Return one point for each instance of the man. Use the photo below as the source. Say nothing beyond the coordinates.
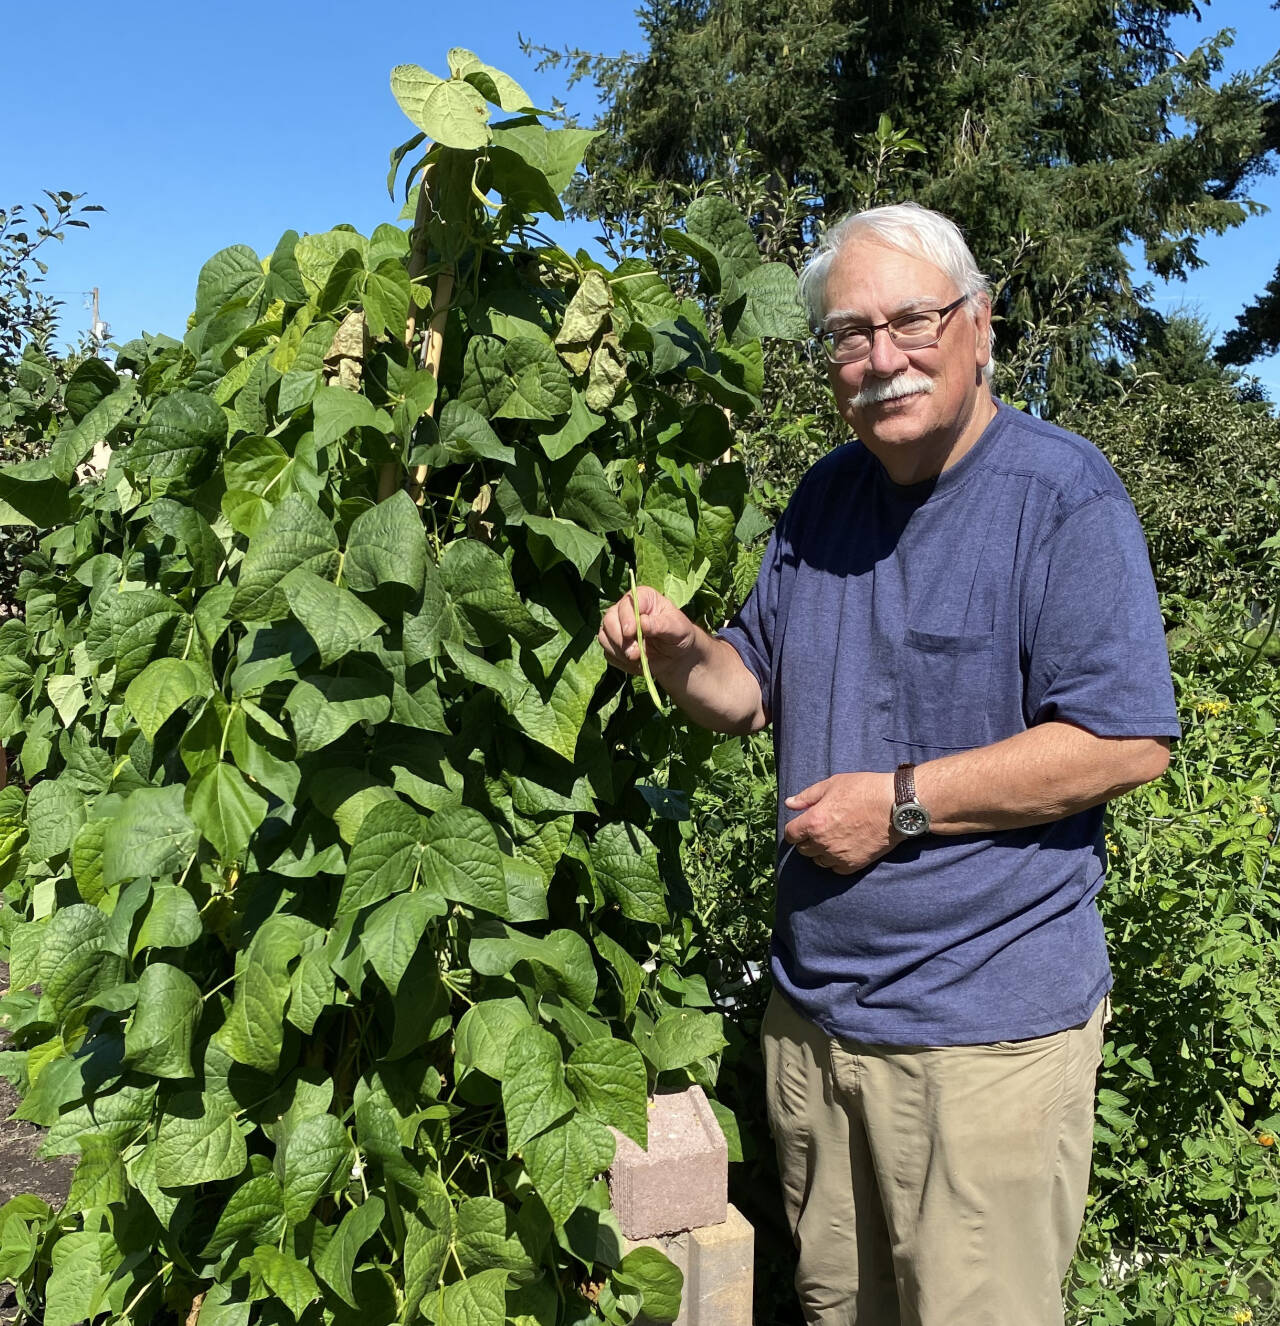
(956, 638)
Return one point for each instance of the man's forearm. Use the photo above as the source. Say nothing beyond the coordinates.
(1045, 773)
(712, 685)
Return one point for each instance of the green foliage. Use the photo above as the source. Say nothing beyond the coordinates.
(1184, 1221)
(340, 928)
(1199, 463)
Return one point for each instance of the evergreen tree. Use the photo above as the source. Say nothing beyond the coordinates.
(1056, 132)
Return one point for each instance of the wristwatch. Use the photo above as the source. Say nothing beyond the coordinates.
(908, 816)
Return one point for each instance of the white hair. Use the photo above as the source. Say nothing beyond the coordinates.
(910, 229)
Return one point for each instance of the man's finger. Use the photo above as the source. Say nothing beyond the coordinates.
(802, 800)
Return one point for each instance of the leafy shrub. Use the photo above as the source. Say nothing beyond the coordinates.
(1200, 464)
(340, 911)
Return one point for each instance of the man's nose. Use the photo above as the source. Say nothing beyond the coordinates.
(885, 358)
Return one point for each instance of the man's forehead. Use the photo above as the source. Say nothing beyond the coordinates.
(868, 277)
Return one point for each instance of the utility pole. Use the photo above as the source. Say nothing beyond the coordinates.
(100, 330)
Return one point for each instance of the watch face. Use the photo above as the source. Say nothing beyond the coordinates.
(911, 820)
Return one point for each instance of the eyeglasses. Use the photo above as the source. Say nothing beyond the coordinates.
(911, 331)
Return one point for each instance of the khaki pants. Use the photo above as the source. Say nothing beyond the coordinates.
(931, 1186)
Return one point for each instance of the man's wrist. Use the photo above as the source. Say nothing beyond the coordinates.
(909, 817)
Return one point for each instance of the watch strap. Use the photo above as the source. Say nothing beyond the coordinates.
(904, 784)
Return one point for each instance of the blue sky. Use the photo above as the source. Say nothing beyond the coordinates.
(198, 127)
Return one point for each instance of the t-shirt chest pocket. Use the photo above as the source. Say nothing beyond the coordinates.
(942, 690)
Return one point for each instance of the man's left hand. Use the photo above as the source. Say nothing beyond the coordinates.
(844, 821)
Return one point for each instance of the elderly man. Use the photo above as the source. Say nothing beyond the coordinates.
(956, 638)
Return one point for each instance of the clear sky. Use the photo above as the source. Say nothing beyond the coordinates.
(198, 127)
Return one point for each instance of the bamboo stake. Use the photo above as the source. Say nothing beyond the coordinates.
(433, 340)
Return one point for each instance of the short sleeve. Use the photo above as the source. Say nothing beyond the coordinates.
(752, 630)
(1093, 637)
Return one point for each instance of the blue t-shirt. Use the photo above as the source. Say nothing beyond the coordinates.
(894, 623)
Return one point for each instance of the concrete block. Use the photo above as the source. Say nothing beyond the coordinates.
(716, 1262)
(718, 1289)
(681, 1181)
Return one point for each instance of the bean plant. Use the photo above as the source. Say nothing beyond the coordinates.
(344, 920)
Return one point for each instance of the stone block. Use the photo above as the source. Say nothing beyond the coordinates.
(681, 1181)
(716, 1262)
(718, 1288)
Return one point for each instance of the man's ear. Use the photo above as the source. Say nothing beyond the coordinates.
(982, 329)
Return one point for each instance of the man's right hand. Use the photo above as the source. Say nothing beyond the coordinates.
(669, 635)
(703, 675)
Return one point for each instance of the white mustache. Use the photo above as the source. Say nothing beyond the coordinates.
(892, 389)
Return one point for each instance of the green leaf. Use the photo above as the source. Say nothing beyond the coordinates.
(297, 535)
(82, 1264)
(770, 306)
(647, 296)
(254, 1029)
(172, 920)
(480, 585)
(465, 432)
(150, 836)
(497, 87)
(336, 1262)
(542, 389)
(99, 1178)
(720, 228)
(337, 411)
(427, 1237)
(182, 431)
(254, 1211)
(625, 862)
(387, 543)
(625, 968)
(317, 255)
(562, 955)
(484, 1032)
(197, 1142)
(555, 153)
(335, 619)
(570, 541)
(386, 299)
(323, 708)
(74, 445)
(391, 935)
(564, 1161)
(159, 690)
(589, 498)
(384, 857)
(684, 1036)
(448, 110)
(315, 1151)
(488, 1235)
(55, 811)
(658, 1279)
(75, 961)
(477, 1301)
(225, 809)
(555, 720)
(534, 1095)
(159, 1036)
(287, 1278)
(232, 274)
(130, 627)
(461, 859)
(608, 1079)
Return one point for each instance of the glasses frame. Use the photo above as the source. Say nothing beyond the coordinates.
(824, 337)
